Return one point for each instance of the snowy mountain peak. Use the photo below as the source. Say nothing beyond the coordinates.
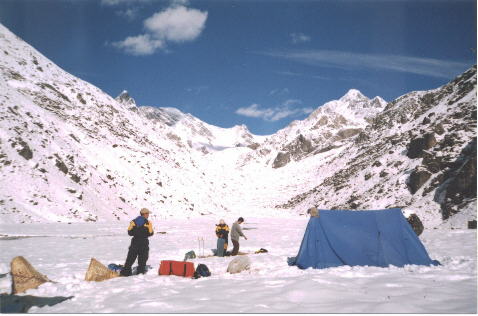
(353, 94)
(125, 99)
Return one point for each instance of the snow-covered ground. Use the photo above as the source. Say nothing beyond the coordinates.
(62, 252)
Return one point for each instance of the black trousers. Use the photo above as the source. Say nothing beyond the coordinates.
(138, 250)
(235, 249)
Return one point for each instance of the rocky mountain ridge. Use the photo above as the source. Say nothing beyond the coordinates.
(69, 152)
(421, 152)
(192, 131)
(329, 126)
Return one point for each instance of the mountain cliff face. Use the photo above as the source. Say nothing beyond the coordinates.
(69, 152)
(418, 153)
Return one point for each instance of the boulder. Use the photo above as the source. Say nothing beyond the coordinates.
(281, 160)
(24, 275)
(459, 182)
(439, 129)
(418, 145)
(346, 133)
(254, 146)
(433, 163)
(239, 264)
(296, 150)
(99, 272)
(416, 224)
(418, 177)
(472, 224)
(426, 121)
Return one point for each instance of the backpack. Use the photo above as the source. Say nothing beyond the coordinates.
(190, 255)
(115, 267)
(202, 271)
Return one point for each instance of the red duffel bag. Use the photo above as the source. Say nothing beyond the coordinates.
(179, 268)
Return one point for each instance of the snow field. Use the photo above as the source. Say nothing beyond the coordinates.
(63, 252)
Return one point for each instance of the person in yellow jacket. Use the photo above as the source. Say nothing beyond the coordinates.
(222, 233)
(140, 228)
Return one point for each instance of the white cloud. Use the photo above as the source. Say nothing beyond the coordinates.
(347, 60)
(130, 13)
(297, 38)
(177, 24)
(139, 45)
(286, 109)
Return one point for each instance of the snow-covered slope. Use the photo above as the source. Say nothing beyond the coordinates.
(69, 152)
(419, 153)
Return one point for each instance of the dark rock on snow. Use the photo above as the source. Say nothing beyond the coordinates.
(418, 177)
(416, 224)
(459, 182)
(418, 145)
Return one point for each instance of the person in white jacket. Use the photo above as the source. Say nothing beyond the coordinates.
(236, 232)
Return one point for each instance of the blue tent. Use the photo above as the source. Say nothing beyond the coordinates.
(360, 238)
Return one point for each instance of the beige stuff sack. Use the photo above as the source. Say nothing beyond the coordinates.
(99, 272)
(24, 276)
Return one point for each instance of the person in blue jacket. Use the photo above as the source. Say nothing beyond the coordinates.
(140, 228)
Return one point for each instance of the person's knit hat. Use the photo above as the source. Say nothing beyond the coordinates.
(144, 211)
(313, 212)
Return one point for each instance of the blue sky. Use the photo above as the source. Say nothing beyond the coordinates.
(260, 63)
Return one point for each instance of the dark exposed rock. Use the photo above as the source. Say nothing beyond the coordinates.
(418, 177)
(418, 145)
(61, 165)
(383, 174)
(296, 150)
(416, 224)
(472, 224)
(281, 160)
(362, 137)
(448, 141)
(433, 163)
(300, 145)
(376, 164)
(426, 121)
(75, 178)
(25, 150)
(254, 146)
(459, 182)
(326, 148)
(80, 98)
(44, 85)
(346, 133)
